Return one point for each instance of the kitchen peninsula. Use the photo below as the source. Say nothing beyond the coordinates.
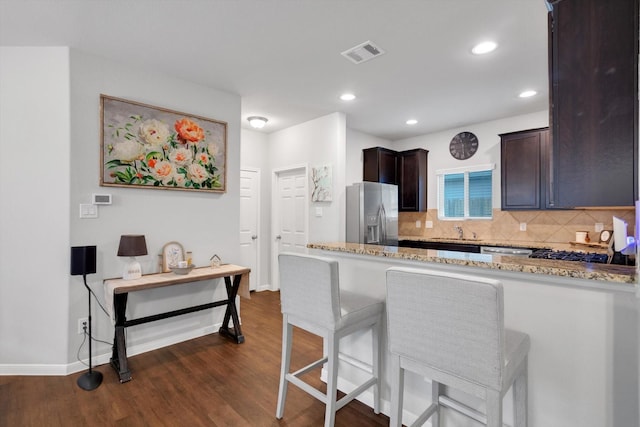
(582, 320)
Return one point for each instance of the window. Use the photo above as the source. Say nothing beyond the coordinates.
(465, 193)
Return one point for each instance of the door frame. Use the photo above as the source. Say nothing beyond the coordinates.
(257, 275)
(275, 218)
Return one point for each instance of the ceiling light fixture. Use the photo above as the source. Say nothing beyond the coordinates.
(257, 121)
(527, 93)
(347, 97)
(484, 47)
(411, 121)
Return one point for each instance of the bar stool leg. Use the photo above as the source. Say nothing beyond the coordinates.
(436, 391)
(397, 391)
(332, 379)
(494, 408)
(375, 340)
(520, 396)
(287, 339)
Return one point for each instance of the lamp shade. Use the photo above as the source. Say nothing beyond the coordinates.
(132, 245)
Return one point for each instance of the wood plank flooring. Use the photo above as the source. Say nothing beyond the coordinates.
(208, 381)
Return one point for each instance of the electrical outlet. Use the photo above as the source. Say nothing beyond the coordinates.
(83, 322)
(599, 227)
(523, 226)
(428, 224)
(418, 223)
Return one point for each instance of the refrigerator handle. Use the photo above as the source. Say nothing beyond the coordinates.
(383, 225)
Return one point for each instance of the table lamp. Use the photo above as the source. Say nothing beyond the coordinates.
(132, 245)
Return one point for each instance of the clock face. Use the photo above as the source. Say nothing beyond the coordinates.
(463, 145)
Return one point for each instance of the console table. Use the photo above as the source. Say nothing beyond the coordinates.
(117, 290)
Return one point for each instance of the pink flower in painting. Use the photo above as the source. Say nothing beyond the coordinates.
(202, 158)
(163, 171)
(189, 131)
(197, 173)
(181, 156)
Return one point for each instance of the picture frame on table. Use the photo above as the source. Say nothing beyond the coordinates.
(172, 254)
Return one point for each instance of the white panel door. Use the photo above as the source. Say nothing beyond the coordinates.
(290, 216)
(249, 223)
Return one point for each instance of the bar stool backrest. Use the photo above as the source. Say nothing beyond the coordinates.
(453, 323)
(309, 288)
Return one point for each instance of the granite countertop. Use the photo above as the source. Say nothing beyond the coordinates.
(579, 270)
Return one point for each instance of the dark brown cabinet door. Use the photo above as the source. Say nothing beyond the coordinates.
(594, 107)
(413, 180)
(524, 169)
(380, 165)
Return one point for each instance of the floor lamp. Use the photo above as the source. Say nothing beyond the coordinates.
(83, 261)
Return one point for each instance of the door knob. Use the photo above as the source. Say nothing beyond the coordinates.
(254, 237)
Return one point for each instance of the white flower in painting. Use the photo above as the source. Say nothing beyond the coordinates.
(179, 179)
(213, 149)
(197, 173)
(163, 171)
(181, 156)
(154, 132)
(127, 150)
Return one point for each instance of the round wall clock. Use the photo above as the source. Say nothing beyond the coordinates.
(463, 145)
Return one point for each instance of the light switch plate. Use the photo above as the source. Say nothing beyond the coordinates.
(418, 224)
(88, 210)
(318, 211)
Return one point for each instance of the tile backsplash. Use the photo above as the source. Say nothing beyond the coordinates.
(541, 226)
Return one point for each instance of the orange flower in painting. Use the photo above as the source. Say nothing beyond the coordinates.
(189, 130)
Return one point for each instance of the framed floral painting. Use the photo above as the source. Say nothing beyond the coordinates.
(150, 147)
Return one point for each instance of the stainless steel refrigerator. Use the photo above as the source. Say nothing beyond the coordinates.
(372, 213)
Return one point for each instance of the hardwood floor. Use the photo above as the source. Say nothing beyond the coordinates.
(208, 381)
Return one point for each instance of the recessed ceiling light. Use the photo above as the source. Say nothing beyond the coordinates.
(484, 47)
(412, 121)
(527, 93)
(257, 122)
(347, 97)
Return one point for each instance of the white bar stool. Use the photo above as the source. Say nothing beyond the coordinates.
(312, 300)
(450, 328)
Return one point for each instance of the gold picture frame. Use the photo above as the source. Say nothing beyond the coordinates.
(143, 146)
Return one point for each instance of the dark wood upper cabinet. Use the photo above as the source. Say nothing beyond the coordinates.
(524, 169)
(380, 165)
(406, 169)
(594, 102)
(412, 195)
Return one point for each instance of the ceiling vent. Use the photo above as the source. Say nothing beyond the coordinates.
(362, 53)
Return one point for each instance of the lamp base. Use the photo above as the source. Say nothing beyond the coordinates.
(90, 380)
(132, 270)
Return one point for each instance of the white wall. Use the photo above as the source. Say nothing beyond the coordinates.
(34, 217)
(205, 223)
(488, 150)
(60, 92)
(316, 143)
(254, 153)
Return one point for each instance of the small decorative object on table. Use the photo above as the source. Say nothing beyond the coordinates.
(182, 269)
(215, 261)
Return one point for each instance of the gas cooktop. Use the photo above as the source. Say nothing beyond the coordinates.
(570, 256)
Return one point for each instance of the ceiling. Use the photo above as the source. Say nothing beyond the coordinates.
(282, 57)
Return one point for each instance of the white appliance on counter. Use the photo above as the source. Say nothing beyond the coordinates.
(372, 213)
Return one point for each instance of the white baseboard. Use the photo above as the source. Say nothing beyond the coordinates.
(101, 359)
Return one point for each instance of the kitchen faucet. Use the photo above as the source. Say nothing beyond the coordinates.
(459, 230)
